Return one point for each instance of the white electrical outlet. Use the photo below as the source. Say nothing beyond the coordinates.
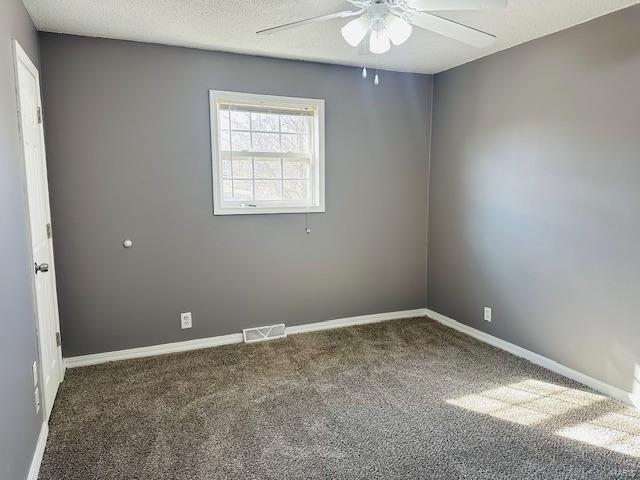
(185, 320)
(37, 399)
(487, 314)
(34, 370)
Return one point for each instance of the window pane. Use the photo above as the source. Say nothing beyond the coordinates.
(267, 122)
(295, 169)
(267, 168)
(226, 169)
(268, 190)
(241, 141)
(295, 189)
(295, 143)
(290, 143)
(304, 143)
(227, 192)
(224, 119)
(243, 190)
(240, 120)
(294, 124)
(266, 142)
(242, 168)
(224, 140)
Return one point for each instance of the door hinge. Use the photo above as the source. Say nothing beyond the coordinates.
(49, 231)
(39, 114)
(58, 339)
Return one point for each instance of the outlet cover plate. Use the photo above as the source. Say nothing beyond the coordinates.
(185, 320)
(487, 314)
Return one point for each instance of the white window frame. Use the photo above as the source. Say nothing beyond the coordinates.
(317, 160)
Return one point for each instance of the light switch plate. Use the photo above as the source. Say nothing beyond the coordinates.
(36, 399)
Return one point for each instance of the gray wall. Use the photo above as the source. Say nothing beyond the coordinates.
(19, 424)
(535, 196)
(129, 156)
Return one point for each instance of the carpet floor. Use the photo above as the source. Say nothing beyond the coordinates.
(406, 399)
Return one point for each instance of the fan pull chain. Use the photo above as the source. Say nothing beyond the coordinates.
(376, 78)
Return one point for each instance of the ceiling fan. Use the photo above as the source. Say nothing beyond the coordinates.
(391, 22)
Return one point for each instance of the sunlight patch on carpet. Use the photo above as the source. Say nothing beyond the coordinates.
(528, 402)
(616, 431)
(532, 402)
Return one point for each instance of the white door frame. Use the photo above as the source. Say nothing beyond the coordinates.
(20, 56)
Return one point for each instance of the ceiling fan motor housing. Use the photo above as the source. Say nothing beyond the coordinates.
(378, 11)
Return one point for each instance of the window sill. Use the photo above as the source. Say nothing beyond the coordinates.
(265, 210)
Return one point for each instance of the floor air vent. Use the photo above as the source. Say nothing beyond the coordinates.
(262, 334)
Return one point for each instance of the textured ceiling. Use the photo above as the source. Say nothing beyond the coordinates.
(230, 25)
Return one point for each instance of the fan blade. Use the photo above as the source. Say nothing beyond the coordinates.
(321, 18)
(433, 5)
(451, 29)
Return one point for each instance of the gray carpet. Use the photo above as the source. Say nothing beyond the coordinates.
(407, 399)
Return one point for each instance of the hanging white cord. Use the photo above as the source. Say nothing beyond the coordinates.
(233, 190)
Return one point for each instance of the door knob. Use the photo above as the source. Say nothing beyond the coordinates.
(42, 268)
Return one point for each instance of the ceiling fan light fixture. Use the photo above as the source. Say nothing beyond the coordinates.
(355, 31)
(399, 29)
(379, 41)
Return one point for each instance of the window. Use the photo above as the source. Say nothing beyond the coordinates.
(268, 154)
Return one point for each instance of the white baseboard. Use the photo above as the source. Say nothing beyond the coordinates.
(34, 469)
(152, 351)
(545, 362)
(351, 321)
(98, 358)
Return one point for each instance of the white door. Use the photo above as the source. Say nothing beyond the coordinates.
(31, 128)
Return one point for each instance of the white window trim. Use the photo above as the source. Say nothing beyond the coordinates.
(221, 207)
